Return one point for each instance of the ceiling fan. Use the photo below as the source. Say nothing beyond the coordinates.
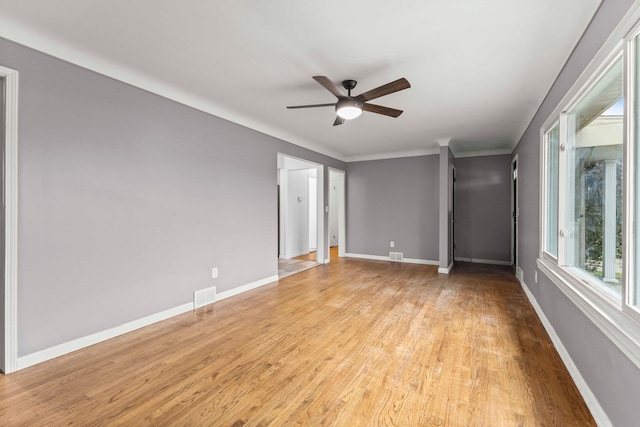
(349, 107)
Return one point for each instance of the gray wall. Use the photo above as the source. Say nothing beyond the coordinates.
(393, 199)
(127, 200)
(613, 379)
(483, 207)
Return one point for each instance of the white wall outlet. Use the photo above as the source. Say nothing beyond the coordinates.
(535, 276)
(392, 244)
(214, 272)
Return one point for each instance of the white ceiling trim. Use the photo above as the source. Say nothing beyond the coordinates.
(480, 153)
(109, 69)
(243, 62)
(393, 155)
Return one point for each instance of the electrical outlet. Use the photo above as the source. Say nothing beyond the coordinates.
(535, 276)
(392, 244)
(214, 272)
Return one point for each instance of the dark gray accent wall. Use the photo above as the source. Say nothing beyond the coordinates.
(127, 200)
(613, 379)
(393, 200)
(483, 207)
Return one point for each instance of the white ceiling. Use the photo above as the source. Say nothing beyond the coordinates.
(479, 69)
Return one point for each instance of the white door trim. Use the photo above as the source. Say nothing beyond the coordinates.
(515, 212)
(9, 355)
(322, 232)
(342, 231)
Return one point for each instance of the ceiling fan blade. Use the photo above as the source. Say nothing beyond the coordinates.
(339, 121)
(383, 90)
(312, 106)
(330, 86)
(372, 108)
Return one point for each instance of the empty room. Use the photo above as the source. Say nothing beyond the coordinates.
(332, 213)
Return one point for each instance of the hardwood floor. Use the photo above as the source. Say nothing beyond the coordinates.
(287, 267)
(352, 343)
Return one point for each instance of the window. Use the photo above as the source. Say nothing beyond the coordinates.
(583, 233)
(551, 202)
(594, 172)
(590, 191)
(634, 152)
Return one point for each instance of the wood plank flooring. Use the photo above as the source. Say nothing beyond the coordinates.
(353, 343)
(287, 267)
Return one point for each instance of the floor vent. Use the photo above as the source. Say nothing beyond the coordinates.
(204, 297)
(395, 256)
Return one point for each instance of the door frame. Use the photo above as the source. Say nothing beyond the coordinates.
(452, 205)
(341, 197)
(320, 223)
(9, 310)
(515, 212)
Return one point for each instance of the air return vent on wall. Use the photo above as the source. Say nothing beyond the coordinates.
(395, 256)
(204, 297)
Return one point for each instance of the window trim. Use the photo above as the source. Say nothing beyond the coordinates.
(630, 174)
(544, 176)
(617, 319)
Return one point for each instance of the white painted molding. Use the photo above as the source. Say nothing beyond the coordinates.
(84, 59)
(621, 329)
(483, 261)
(386, 258)
(77, 344)
(393, 155)
(419, 261)
(9, 357)
(244, 288)
(371, 257)
(443, 142)
(597, 411)
(459, 154)
(445, 270)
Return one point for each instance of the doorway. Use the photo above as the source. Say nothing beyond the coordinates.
(300, 215)
(337, 231)
(515, 213)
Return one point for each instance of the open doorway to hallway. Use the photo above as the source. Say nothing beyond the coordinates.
(336, 213)
(300, 215)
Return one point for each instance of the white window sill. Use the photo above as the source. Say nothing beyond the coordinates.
(618, 326)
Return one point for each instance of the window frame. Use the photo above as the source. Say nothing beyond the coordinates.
(544, 176)
(617, 318)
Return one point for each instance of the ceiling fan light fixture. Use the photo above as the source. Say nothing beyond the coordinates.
(348, 109)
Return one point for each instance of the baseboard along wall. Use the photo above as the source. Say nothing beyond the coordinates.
(79, 343)
(598, 413)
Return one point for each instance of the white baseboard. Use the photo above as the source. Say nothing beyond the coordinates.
(245, 288)
(79, 343)
(519, 274)
(386, 258)
(483, 261)
(600, 416)
(447, 270)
